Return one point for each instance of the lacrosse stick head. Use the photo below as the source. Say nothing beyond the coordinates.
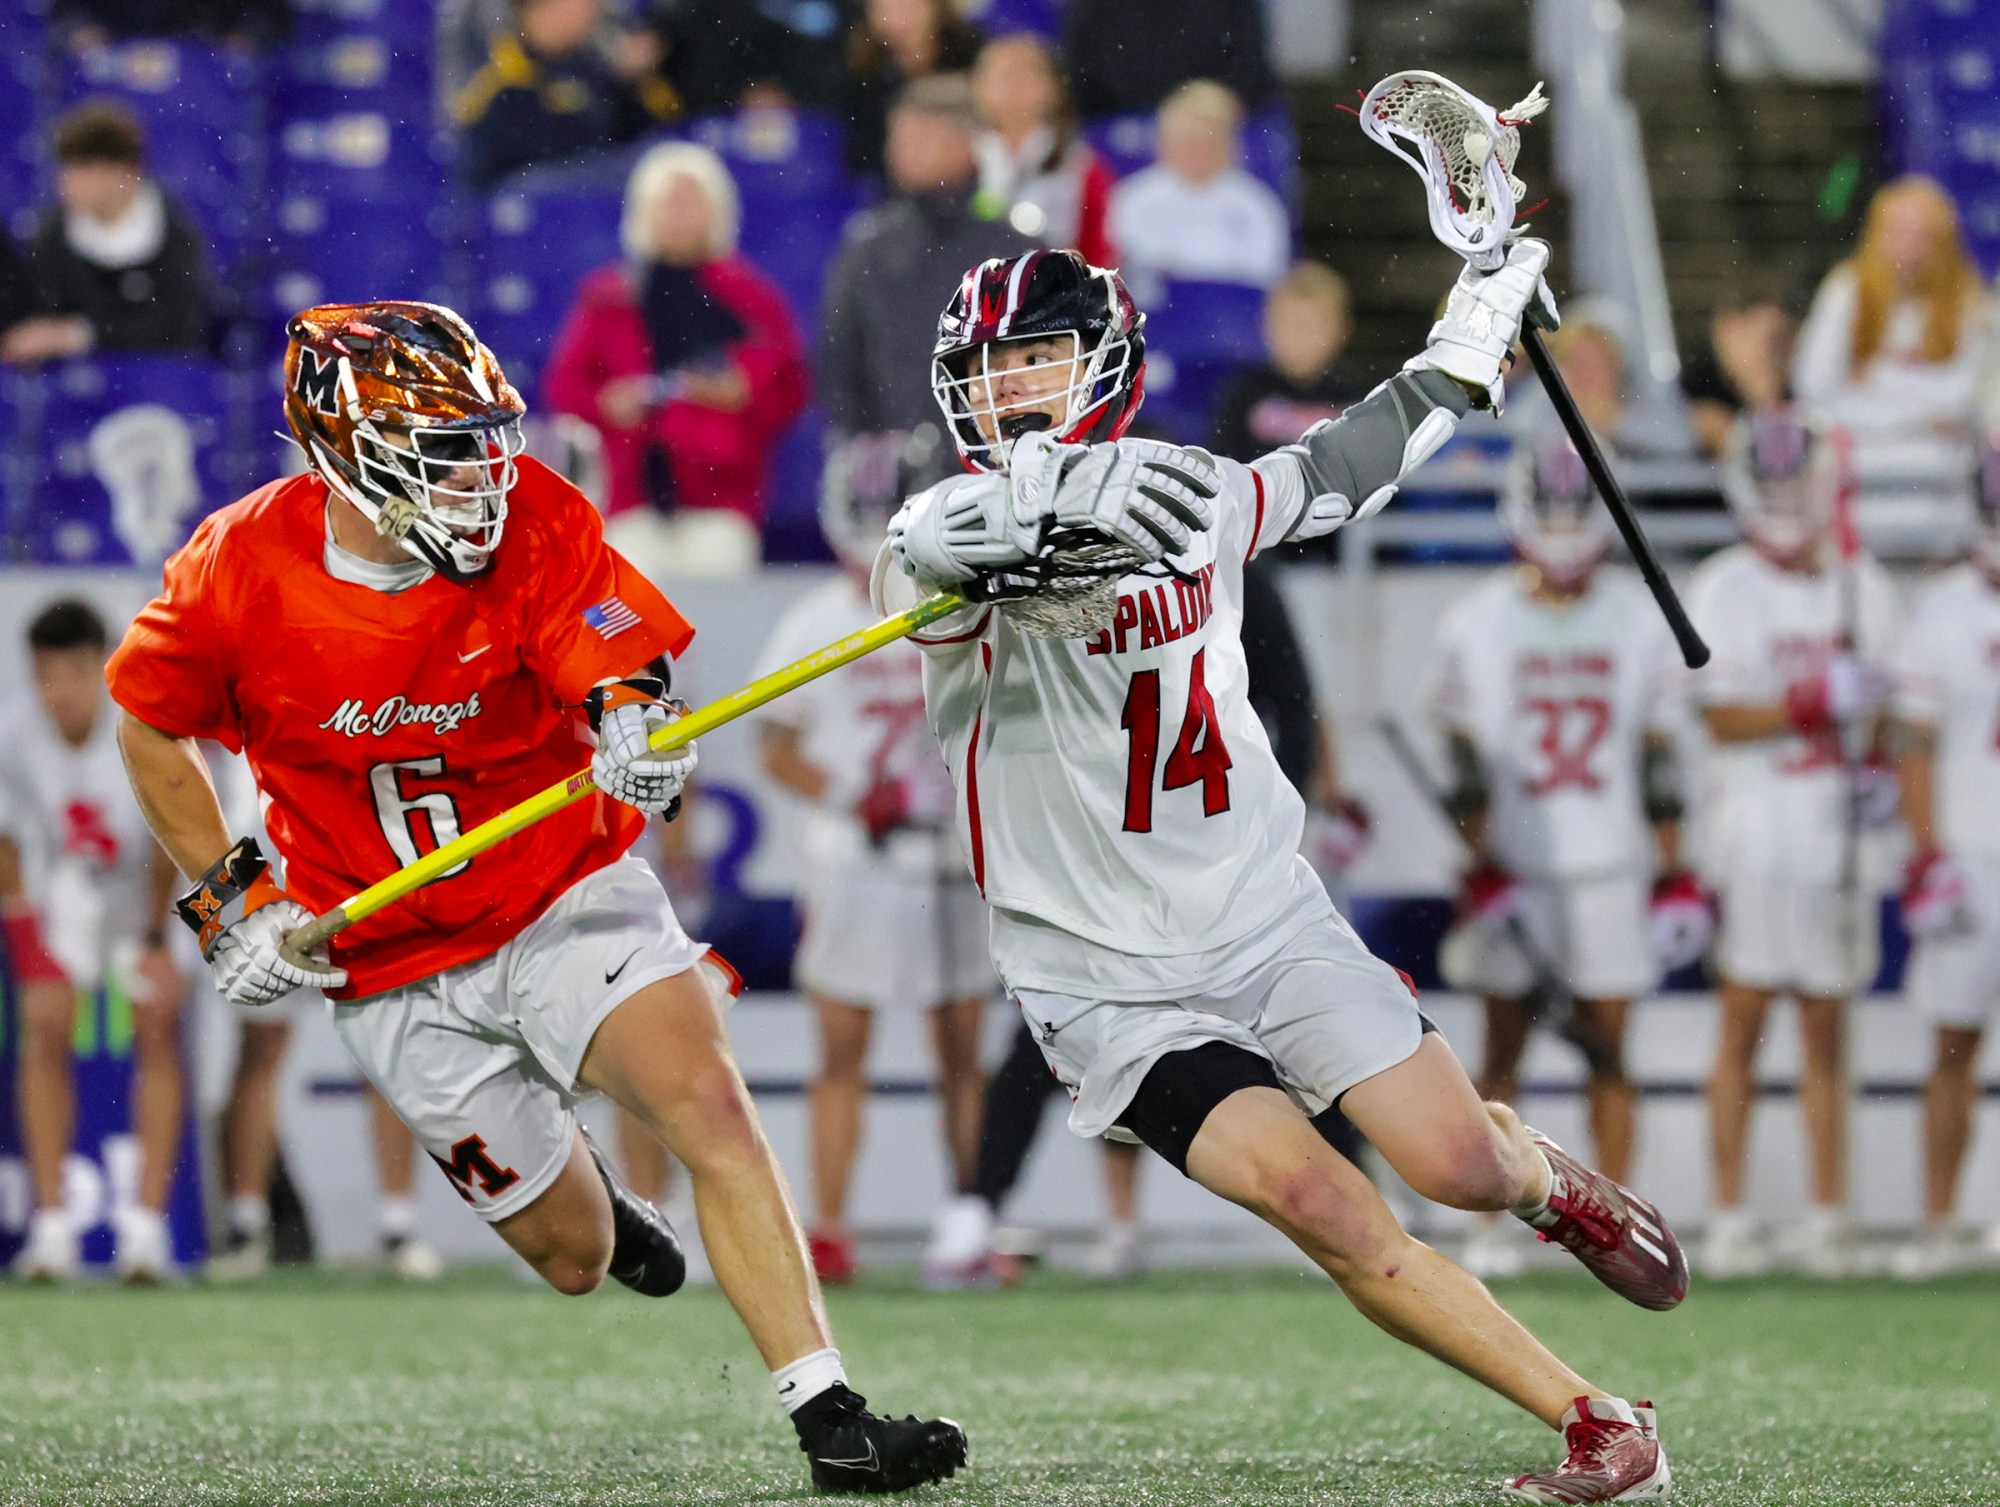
(1069, 590)
(1463, 149)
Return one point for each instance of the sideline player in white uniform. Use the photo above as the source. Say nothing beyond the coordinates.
(86, 893)
(892, 923)
(1947, 697)
(1800, 640)
(1554, 687)
(1180, 962)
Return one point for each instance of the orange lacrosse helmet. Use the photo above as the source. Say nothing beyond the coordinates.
(405, 414)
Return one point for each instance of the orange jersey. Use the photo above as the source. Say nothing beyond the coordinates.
(379, 726)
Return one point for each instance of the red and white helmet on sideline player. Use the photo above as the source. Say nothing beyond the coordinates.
(1781, 477)
(403, 412)
(1039, 296)
(1550, 512)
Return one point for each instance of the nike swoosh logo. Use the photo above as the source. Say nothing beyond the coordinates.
(612, 976)
(466, 659)
(870, 1461)
(790, 1386)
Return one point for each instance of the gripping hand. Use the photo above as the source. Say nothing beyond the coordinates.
(1483, 319)
(627, 767)
(1148, 495)
(241, 918)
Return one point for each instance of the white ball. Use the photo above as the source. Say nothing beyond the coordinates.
(1477, 145)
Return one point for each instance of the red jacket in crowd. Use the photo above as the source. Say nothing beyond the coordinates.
(718, 457)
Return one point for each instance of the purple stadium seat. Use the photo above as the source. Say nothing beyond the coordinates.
(1270, 149)
(1044, 18)
(790, 171)
(537, 240)
(200, 107)
(128, 458)
(1198, 335)
(791, 515)
(21, 154)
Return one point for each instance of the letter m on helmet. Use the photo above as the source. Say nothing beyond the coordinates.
(318, 382)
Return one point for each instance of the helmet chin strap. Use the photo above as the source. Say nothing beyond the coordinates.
(400, 520)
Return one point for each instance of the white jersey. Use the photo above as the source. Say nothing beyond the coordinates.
(862, 723)
(1948, 678)
(85, 848)
(1779, 803)
(1558, 699)
(1119, 800)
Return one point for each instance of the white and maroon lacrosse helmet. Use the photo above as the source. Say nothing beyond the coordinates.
(1550, 512)
(1781, 477)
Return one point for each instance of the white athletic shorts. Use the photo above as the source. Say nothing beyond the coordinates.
(889, 939)
(1789, 936)
(1955, 981)
(1324, 1010)
(480, 1061)
(1595, 933)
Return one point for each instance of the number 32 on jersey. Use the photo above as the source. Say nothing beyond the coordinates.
(1198, 756)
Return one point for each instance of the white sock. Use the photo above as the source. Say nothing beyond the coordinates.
(249, 1214)
(397, 1218)
(1534, 1208)
(807, 1377)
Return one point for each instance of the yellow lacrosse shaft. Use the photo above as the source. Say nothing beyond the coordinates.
(415, 876)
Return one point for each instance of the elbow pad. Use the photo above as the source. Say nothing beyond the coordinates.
(1351, 465)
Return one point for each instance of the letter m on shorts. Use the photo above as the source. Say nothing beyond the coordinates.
(469, 1160)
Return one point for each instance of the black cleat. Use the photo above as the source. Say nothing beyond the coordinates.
(645, 1252)
(853, 1450)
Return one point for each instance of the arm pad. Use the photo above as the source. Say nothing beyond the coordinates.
(1351, 464)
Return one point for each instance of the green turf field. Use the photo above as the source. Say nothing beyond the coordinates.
(1185, 1388)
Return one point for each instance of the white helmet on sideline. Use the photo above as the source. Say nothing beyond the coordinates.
(1781, 477)
(1550, 512)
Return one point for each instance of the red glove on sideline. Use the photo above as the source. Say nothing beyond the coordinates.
(32, 961)
(884, 806)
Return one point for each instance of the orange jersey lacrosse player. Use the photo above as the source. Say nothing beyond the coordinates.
(419, 632)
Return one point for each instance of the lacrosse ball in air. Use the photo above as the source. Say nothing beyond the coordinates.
(1477, 145)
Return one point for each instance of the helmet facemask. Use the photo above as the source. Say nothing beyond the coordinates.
(967, 384)
(1781, 480)
(1551, 515)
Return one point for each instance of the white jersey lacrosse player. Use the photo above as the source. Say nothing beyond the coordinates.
(1802, 631)
(1184, 972)
(892, 921)
(1946, 704)
(87, 903)
(1554, 684)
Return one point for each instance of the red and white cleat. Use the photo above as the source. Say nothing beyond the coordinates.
(1614, 1456)
(1612, 1230)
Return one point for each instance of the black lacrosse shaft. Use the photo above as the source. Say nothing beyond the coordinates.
(1693, 650)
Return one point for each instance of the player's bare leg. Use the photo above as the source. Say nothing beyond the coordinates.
(403, 1251)
(1609, 1093)
(1733, 1247)
(1823, 1096)
(250, 1150)
(47, 1110)
(1115, 1254)
(837, 1101)
(644, 1161)
(1950, 1094)
(961, 1087)
(157, 1105)
(1494, 1249)
(1256, 1149)
(663, 1054)
(566, 1234)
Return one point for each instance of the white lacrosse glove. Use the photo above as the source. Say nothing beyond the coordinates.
(626, 766)
(242, 918)
(1146, 494)
(1483, 317)
(966, 527)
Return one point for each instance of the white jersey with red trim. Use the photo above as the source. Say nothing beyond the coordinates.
(1118, 796)
(861, 724)
(85, 848)
(1948, 678)
(1777, 805)
(1557, 699)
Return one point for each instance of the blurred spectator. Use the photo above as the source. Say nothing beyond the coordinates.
(896, 42)
(1746, 369)
(254, 23)
(1031, 158)
(686, 358)
(115, 265)
(1306, 325)
(555, 85)
(1195, 213)
(1891, 352)
(17, 287)
(1125, 58)
(1589, 350)
(722, 54)
(899, 263)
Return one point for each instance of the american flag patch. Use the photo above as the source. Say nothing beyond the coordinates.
(610, 617)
